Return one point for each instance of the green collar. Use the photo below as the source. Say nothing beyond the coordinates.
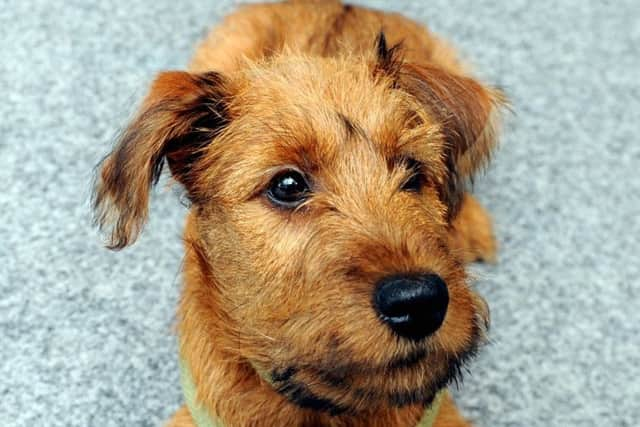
(202, 418)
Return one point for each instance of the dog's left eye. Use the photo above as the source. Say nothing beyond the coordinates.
(416, 180)
(288, 189)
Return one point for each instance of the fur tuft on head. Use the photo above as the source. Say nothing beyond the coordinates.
(389, 60)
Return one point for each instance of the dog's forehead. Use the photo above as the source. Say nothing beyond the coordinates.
(318, 105)
(319, 84)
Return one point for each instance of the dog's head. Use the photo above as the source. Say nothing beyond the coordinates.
(322, 195)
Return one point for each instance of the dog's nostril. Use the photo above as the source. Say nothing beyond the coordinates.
(414, 306)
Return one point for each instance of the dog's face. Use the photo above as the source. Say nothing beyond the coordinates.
(322, 195)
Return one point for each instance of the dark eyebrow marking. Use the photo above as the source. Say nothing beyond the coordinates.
(350, 127)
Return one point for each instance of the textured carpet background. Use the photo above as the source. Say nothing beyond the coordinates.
(85, 334)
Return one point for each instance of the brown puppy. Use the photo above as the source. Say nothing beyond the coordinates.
(324, 149)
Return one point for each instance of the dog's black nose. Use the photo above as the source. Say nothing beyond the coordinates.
(413, 306)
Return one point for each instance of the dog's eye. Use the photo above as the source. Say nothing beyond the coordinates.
(288, 189)
(416, 179)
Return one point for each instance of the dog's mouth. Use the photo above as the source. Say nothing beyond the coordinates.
(349, 388)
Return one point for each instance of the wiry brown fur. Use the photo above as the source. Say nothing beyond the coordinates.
(276, 305)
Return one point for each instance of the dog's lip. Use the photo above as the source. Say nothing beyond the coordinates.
(337, 373)
(393, 364)
(298, 389)
(413, 358)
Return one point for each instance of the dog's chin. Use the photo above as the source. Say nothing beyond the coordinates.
(336, 383)
(414, 379)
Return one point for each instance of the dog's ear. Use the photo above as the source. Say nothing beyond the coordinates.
(466, 110)
(468, 114)
(180, 116)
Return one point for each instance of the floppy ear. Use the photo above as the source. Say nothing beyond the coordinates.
(466, 110)
(468, 114)
(182, 113)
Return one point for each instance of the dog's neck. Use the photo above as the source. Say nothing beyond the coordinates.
(202, 415)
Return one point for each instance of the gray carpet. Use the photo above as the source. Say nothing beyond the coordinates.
(86, 335)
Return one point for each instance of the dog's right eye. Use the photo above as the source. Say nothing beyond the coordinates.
(288, 189)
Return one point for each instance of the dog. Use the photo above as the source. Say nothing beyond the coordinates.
(325, 151)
